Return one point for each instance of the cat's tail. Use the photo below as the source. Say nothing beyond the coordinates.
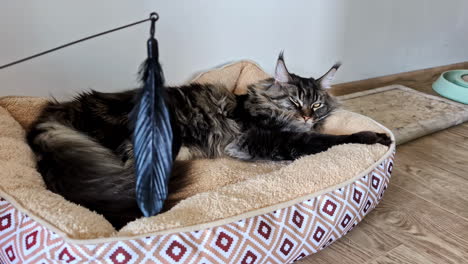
(83, 171)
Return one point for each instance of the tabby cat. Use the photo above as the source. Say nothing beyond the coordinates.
(84, 146)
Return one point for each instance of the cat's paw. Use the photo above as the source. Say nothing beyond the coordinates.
(369, 137)
(384, 139)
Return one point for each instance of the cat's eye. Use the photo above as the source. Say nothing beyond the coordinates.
(316, 105)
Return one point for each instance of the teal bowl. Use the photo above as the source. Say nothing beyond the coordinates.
(453, 85)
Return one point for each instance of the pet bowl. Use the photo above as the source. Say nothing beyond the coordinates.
(453, 85)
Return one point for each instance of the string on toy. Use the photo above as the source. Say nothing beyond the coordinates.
(152, 134)
(153, 15)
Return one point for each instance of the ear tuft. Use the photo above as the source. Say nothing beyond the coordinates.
(281, 55)
(281, 72)
(326, 80)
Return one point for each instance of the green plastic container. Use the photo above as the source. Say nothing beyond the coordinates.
(453, 85)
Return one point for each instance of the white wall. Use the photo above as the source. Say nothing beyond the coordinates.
(372, 38)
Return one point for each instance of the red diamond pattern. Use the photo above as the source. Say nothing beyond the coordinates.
(346, 221)
(390, 168)
(176, 251)
(329, 208)
(285, 235)
(249, 258)
(298, 219)
(10, 253)
(357, 196)
(224, 241)
(5, 222)
(318, 234)
(120, 256)
(366, 208)
(286, 247)
(375, 182)
(31, 240)
(66, 256)
(264, 230)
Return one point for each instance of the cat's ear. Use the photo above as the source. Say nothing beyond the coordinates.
(326, 80)
(281, 72)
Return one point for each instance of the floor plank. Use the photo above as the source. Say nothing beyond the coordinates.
(436, 175)
(360, 245)
(423, 217)
(461, 130)
(401, 255)
(423, 227)
(431, 183)
(442, 153)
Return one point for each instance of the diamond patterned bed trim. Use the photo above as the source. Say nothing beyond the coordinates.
(281, 236)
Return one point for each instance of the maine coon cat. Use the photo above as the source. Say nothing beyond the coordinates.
(84, 146)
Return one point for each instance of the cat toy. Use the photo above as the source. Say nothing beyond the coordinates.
(152, 139)
(152, 132)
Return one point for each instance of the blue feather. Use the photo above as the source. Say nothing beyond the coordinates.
(152, 139)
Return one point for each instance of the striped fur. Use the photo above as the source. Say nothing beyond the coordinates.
(84, 145)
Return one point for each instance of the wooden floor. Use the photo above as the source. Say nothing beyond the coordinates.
(423, 217)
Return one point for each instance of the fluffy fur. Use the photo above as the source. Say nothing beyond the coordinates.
(84, 146)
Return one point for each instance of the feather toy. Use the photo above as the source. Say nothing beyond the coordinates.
(152, 136)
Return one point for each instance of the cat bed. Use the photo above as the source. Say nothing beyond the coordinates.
(222, 211)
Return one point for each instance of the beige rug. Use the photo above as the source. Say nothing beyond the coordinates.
(408, 113)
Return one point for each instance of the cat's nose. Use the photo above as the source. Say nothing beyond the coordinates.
(306, 118)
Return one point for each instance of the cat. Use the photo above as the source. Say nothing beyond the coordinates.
(84, 148)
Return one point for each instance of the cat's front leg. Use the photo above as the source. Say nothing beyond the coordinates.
(311, 143)
(284, 145)
(369, 137)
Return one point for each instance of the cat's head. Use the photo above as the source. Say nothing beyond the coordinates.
(304, 101)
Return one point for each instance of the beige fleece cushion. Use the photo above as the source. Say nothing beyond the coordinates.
(21, 183)
(25, 109)
(236, 77)
(202, 191)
